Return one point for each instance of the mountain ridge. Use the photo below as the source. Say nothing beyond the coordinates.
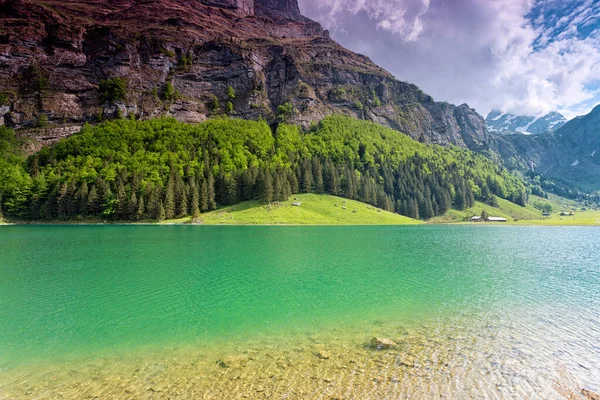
(505, 123)
(570, 155)
(265, 50)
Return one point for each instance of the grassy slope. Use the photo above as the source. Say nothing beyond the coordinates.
(527, 215)
(505, 209)
(315, 210)
(560, 204)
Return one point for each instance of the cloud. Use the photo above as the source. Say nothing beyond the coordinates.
(403, 18)
(521, 56)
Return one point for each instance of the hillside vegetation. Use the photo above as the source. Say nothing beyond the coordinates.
(314, 209)
(505, 209)
(164, 169)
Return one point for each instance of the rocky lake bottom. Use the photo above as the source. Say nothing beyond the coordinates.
(368, 313)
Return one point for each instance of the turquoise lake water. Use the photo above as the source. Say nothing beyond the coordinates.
(496, 311)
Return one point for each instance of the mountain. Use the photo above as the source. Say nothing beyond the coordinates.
(505, 123)
(570, 155)
(65, 63)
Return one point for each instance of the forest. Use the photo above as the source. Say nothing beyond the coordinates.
(163, 169)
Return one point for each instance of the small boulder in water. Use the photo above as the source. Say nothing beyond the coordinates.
(233, 361)
(382, 343)
(323, 354)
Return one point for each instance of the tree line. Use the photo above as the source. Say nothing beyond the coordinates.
(164, 169)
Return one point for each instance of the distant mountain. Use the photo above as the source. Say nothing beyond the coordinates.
(505, 123)
(570, 155)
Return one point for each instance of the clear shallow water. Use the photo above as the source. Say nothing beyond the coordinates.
(124, 311)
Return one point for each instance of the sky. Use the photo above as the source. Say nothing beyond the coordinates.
(521, 56)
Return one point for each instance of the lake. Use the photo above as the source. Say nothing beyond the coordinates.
(288, 312)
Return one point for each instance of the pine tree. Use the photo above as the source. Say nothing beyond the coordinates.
(161, 213)
(195, 203)
(331, 179)
(181, 205)
(484, 215)
(82, 199)
(307, 177)
(133, 206)
(277, 187)
(413, 209)
(293, 182)
(317, 172)
(141, 210)
(212, 204)
(349, 183)
(169, 202)
(230, 189)
(287, 190)
(267, 187)
(460, 200)
(469, 197)
(93, 205)
(247, 185)
(204, 196)
(62, 200)
(122, 202)
(196, 215)
(194, 196)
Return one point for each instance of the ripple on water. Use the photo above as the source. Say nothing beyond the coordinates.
(192, 312)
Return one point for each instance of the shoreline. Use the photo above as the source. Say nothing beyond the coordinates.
(524, 223)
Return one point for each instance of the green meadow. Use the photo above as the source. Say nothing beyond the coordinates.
(314, 209)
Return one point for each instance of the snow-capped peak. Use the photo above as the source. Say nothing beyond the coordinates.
(505, 123)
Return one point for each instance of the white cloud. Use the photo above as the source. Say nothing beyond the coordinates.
(488, 53)
(402, 17)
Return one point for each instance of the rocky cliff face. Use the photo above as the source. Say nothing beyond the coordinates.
(177, 56)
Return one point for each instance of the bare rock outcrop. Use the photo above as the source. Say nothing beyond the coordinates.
(178, 56)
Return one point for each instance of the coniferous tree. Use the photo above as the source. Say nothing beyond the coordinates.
(247, 185)
(293, 182)
(277, 187)
(231, 189)
(287, 189)
(267, 186)
(132, 208)
(82, 199)
(141, 209)
(307, 177)
(195, 203)
(317, 172)
(212, 204)
(161, 213)
(460, 200)
(194, 196)
(181, 205)
(122, 202)
(413, 209)
(62, 200)
(169, 202)
(203, 196)
(93, 205)
(104, 195)
(331, 180)
(469, 197)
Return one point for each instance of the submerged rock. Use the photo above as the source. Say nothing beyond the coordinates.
(323, 354)
(233, 361)
(382, 343)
